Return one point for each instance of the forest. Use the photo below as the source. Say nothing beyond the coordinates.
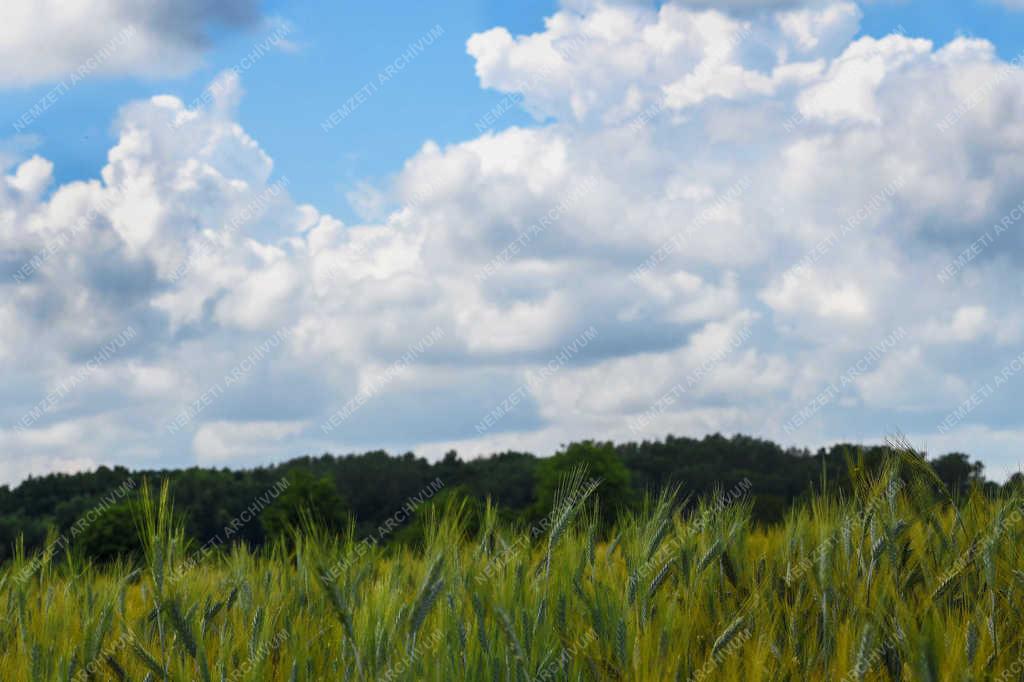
(383, 498)
(889, 575)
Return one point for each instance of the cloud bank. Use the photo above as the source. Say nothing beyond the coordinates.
(46, 41)
(757, 223)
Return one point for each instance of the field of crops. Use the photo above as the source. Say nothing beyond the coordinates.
(895, 583)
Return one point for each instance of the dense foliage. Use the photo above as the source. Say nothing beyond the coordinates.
(895, 581)
(369, 488)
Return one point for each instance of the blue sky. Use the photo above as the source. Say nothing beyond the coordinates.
(341, 45)
(435, 283)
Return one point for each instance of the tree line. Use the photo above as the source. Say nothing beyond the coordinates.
(385, 498)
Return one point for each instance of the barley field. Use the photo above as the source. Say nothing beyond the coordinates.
(898, 582)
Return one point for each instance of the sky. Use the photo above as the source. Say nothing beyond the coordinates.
(236, 232)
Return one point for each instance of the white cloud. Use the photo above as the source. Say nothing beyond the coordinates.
(513, 243)
(818, 293)
(51, 41)
(812, 27)
(968, 323)
(906, 380)
(998, 448)
(848, 92)
(219, 442)
(75, 444)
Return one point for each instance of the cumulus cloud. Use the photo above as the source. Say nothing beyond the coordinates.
(220, 442)
(52, 40)
(740, 207)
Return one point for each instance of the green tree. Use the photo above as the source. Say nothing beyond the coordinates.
(602, 462)
(444, 503)
(958, 472)
(305, 498)
(112, 534)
